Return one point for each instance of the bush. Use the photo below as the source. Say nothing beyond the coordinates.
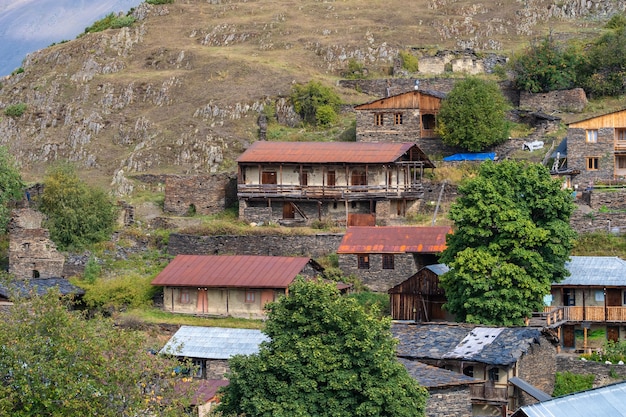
(355, 71)
(92, 270)
(15, 110)
(110, 21)
(567, 383)
(315, 103)
(122, 22)
(409, 61)
(611, 351)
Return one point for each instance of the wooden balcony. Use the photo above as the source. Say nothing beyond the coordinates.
(598, 314)
(353, 192)
(488, 393)
(620, 146)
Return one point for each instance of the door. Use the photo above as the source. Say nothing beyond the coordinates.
(268, 178)
(612, 333)
(203, 304)
(288, 211)
(569, 340)
(613, 297)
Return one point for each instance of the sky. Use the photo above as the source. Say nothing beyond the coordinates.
(29, 25)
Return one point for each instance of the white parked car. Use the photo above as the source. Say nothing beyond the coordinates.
(534, 145)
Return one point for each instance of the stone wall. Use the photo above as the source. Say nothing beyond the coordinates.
(313, 246)
(216, 368)
(578, 149)
(376, 278)
(449, 402)
(600, 211)
(602, 372)
(31, 252)
(573, 100)
(203, 194)
(538, 367)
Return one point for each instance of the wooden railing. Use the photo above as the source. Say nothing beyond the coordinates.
(620, 145)
(579, 313)
(486, 392)
(326, 191)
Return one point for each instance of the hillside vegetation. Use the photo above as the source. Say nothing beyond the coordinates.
(180, 89)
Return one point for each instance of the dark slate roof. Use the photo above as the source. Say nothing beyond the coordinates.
(501, 346)
(40, 286)
(433, 377)
(609, 400)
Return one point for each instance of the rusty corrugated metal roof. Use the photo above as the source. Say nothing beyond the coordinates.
(239, 271)
(325, 152)
(394, 239)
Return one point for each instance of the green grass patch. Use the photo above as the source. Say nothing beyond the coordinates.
(15, 110)
(567, 383)
(599, 244)
(156, 316)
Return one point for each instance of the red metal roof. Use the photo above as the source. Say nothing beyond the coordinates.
(325, 152)
(394, 239)
(230, 271)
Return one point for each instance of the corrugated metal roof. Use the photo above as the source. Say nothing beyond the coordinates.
(529, 389)
(213, 342)
(231, 271)
(438, 269)
(609, 400)
(207, 390)
(394, 239)
(326, 152)
(605, 271)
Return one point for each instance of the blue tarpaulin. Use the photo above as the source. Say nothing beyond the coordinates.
(471, 156)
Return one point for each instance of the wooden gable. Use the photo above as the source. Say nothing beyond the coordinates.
(615, 119)
(427, 102)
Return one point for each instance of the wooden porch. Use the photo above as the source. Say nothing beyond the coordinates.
(554, 316)
(353, 192)
(488, 393)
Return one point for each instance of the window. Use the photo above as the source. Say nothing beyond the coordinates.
(494, 374)
(592, 136)
(364, 261)
(331, 178)
(378, 119)
(592, 163)
(468, 371)
(624, 300)
(428, 121)
(198, 365)
(599, 295)
(184, 297)
(388, 261)
(250, 296)
(397, 118)
(304, 178)
(620, 135)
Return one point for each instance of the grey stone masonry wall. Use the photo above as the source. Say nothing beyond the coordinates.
(587, 222)
(32, 254)
(376, 278)
(578, 150)
(206, 194)
(217, 368)
(538, 367)
(573, 100)
(314, 246)
(603, 372)
(449, 402)
(611, 199)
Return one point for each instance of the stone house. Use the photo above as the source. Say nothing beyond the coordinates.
(449, 392)
(295, 183)
(229, 285)
(494, 355)
(209, 348)
(592, 297)
(406, 117)
(419, 298)
(384, 256)
(202, 194)
(597, 148)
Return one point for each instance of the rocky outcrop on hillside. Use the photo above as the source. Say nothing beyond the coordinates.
(180, 91)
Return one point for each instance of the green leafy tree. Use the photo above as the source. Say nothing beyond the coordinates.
(473, 115)
(546, 66)
(77, 214)
(54, 362)
(511, 241)
(11, 186)
(315, 103)
(603, 73)
(326, 357)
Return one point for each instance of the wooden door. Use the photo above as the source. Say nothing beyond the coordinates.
(569, 339)
(613, 297)
(202, 305)
(288, 211)
(268, 177)
(612, 333)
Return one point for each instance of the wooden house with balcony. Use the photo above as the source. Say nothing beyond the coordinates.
(499, 357)
(596, 147)
(354, 183)
(592, 297)
(406, 117)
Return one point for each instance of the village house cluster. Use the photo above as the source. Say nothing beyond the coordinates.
(370, 187)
